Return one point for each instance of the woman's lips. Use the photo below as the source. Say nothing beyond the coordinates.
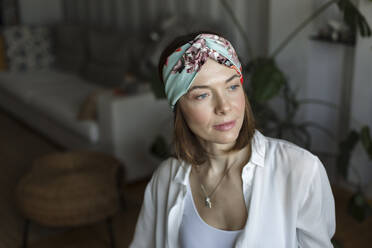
(225, 126)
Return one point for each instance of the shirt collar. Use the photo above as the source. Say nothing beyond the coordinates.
(258, 149)
(257, 158)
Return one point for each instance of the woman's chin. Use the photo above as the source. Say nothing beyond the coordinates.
(224, 139)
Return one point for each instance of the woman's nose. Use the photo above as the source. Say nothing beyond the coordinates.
(223, 105)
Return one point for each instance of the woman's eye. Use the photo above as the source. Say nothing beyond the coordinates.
(234, 87)
(202, 96)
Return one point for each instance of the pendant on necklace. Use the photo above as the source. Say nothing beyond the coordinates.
(207, 202)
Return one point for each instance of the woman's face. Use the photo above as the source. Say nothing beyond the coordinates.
(214, 105)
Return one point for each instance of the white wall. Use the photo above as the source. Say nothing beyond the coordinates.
(284, 17)
(298, 61)
(253, 14)
(329, 79)
(40, 11)
(361, 108)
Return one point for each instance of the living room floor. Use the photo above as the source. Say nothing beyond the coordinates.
(19, 145)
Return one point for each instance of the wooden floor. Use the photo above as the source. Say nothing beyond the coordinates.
(349, 232)
(19, 145)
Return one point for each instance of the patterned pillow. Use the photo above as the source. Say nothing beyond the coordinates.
(28, 48)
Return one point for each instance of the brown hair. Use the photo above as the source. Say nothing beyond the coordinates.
(186, 145)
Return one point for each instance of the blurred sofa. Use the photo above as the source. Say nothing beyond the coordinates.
(80, 87)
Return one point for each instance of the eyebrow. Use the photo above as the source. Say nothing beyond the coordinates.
(231, 78)
(206, 87)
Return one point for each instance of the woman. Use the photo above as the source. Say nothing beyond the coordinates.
(228, 185)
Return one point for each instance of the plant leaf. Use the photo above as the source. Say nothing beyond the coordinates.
(366, 140)
(358, 207)
(345, 149)
(354, 18)
(267, 79)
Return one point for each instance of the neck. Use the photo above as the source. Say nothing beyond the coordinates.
(219, 161)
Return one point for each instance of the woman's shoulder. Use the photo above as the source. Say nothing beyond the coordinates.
(290, 156)
(169, 165)
(169, 170)
(280, 145)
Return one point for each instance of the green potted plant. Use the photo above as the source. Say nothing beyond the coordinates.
(358, 206)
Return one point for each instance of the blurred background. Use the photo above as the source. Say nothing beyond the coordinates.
(84, 122)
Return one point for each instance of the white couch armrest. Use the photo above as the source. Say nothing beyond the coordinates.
(128, 125)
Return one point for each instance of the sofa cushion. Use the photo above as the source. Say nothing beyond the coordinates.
(70, 47)
(55, 94)
(28, 48)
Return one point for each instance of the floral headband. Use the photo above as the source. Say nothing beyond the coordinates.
(183, 64)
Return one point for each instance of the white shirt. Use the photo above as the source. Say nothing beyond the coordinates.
(286, 190)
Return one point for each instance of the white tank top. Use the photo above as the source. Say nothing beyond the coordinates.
(196, 233)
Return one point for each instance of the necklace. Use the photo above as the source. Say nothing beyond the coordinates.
(207, 197)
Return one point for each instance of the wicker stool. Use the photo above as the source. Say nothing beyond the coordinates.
(70, 189)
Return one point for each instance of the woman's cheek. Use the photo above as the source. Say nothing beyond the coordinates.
(198, 116)
(240, 102)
